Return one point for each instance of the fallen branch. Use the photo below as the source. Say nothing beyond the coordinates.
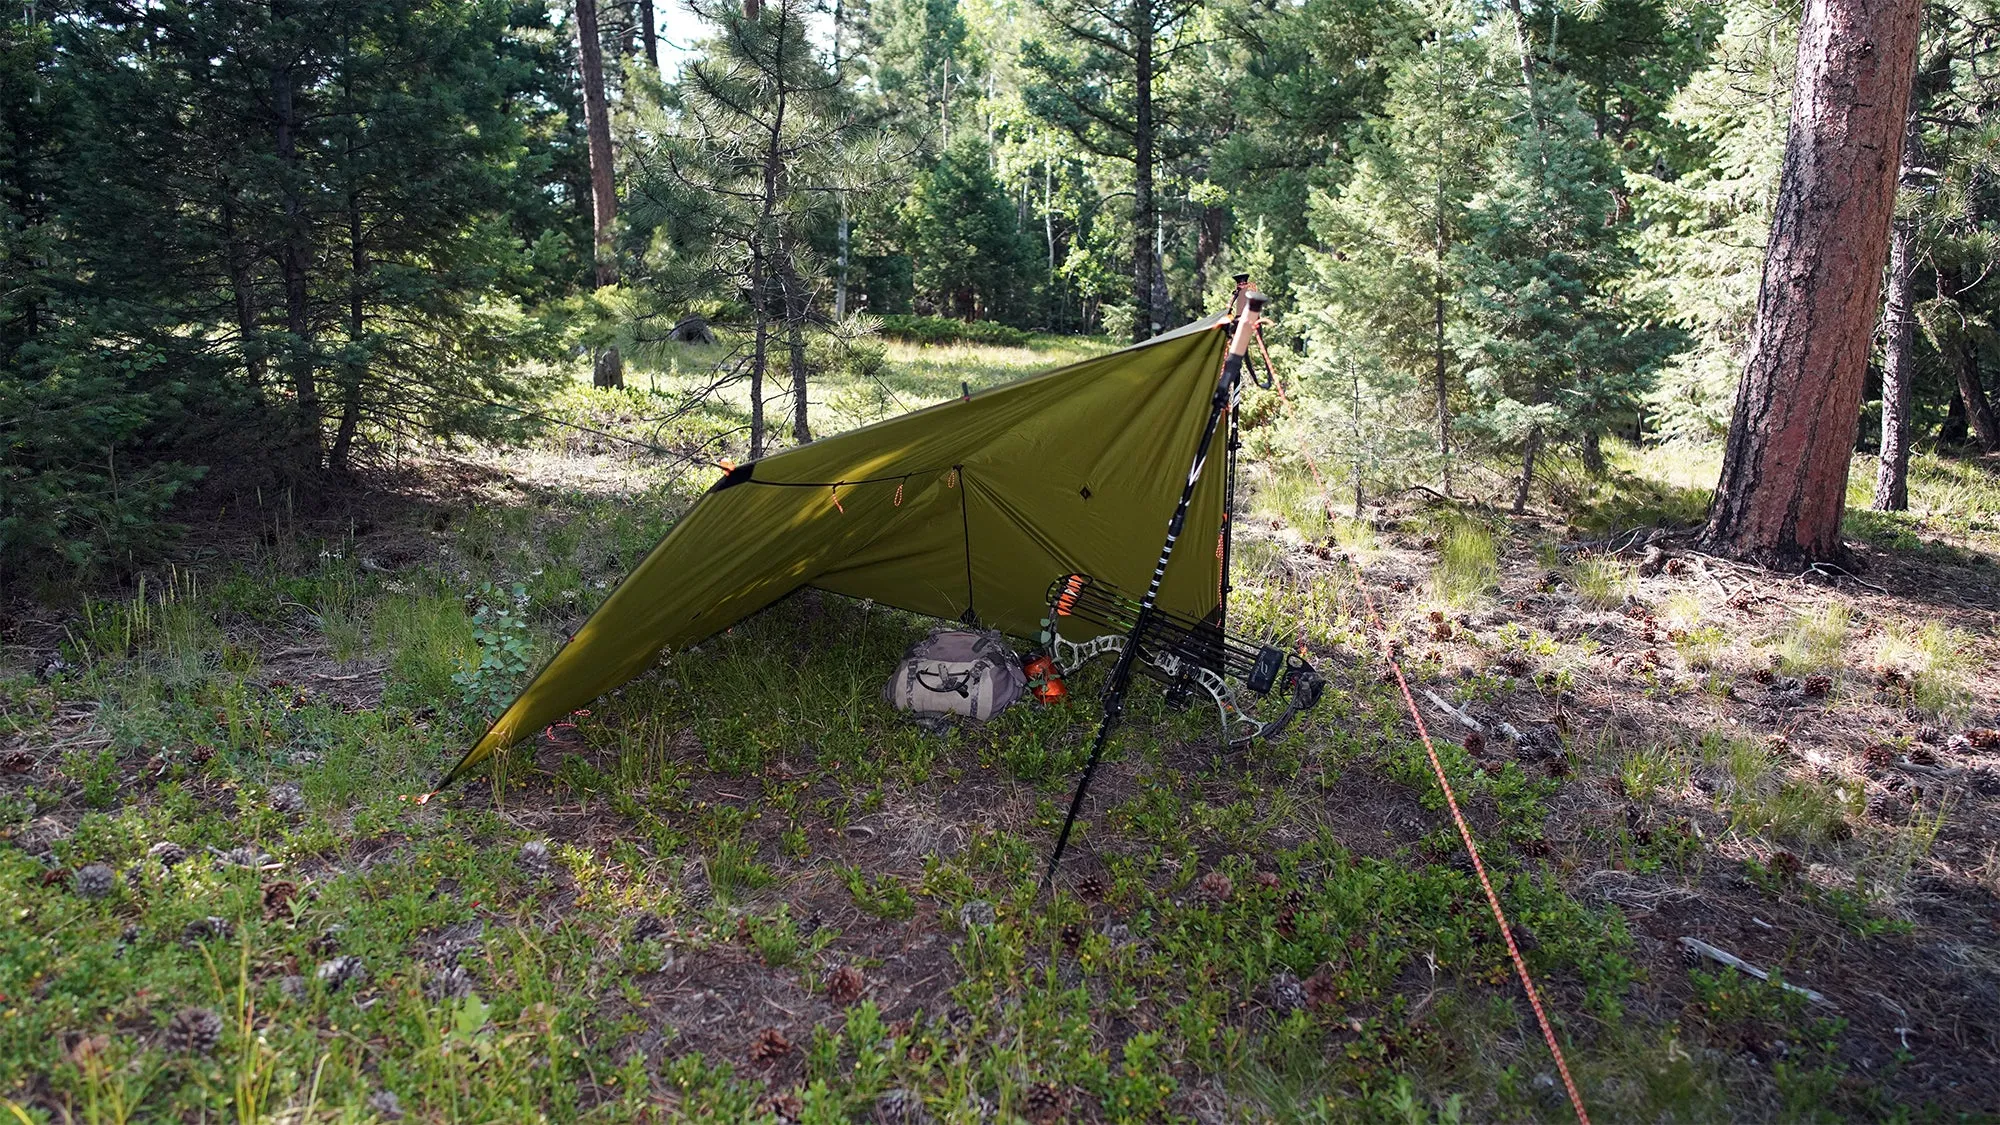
(1723, 956)
(1452, 711)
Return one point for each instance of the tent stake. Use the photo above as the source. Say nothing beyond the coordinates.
(1247, 312)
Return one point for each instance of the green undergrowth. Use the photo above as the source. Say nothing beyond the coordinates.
(1285, 934)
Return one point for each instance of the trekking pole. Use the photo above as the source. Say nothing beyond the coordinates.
(1121, 673)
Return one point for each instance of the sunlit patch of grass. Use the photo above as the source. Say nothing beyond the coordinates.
(1468, 562)
(429, 639)
(1649, 769)
(1700, 647)
(1816, 642)
(1601, 581)
(1936, 661)
(1682, 609)
(1298, 500)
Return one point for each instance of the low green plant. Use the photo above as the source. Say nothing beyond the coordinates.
(500, 628)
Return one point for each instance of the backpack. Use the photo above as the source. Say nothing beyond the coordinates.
(957, 672)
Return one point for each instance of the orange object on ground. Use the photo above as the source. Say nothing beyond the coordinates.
(1045, 680)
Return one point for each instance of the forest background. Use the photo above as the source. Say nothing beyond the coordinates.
(267, 242)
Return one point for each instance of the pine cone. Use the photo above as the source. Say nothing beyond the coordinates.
(194, 1031)
(1785, 865)
(1071, 936)
(1923, 755)
(1475, 744)
(210, 928)
(1929, 735)
(1514, 664)
(240, 857)
(1888, 806)
(1878, 757)
(1045, 1104)
(167, 852)
(649, 927)
(534, 857)
(1269, 880)
(845, 985)
(1287, 992)
(1984, 738)
(1818, 685)
(1287, 923)
(1216, 887)
(696, 891)
(286, 799)
(1321, 991)
(900, 1107)
(769, 1044)
(1558, 766)
(278, 899)
(341, 971)
(1437, 617)
(1764, 676)
(95, 880)
(328, 942)
(17, 761)
(1091, 886)
(452, 982)
(785, 1107)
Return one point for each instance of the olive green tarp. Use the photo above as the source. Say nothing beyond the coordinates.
(976, 504)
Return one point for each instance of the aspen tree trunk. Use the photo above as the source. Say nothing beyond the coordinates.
(609, 369)
(1892, 475)
(1783, 486)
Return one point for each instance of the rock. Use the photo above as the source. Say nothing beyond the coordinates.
(294, 988)
(286, 799)
(978, 912)
(240, 857)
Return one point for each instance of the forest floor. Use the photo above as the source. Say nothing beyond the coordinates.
(742, 889)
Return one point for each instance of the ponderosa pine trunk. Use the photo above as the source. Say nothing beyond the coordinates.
(609, 368)
(649, 36)
(1961, 351)
(1145, 319)
(1783, 486)
(1527, 481)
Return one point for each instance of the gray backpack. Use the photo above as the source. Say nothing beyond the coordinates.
(957, 672)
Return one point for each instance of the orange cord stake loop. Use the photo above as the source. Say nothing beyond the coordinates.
(899, 494)
(835, 489)
(1472, 849)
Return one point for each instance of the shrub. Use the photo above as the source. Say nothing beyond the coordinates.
(944, 330)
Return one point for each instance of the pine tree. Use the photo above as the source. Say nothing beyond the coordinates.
(1384, 295)
(1703, 215)
(1551, 355)
(963, 236)
(737, 173)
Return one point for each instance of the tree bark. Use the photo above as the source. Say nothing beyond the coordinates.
(1144, 321)
(1783, 486)
(355, 368)
(649, 36)
(293, 258)
(243, 288)
(1978, 407)
(1892, 474)
(1961, 351)
(1534, 446)
(609, 369)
